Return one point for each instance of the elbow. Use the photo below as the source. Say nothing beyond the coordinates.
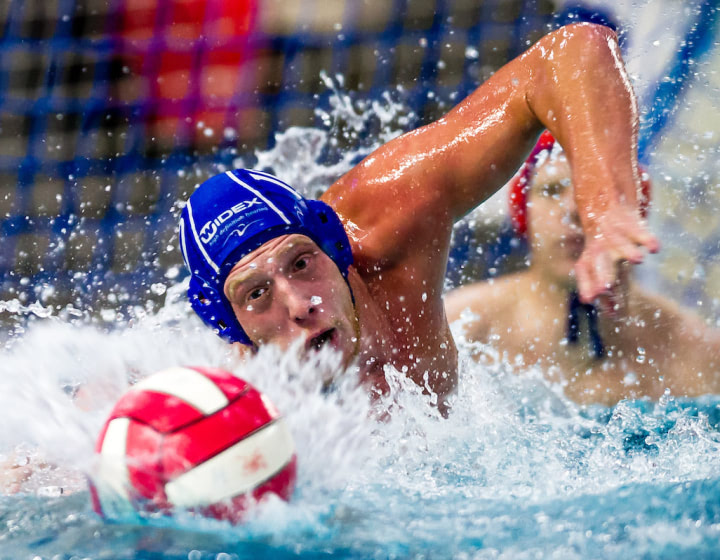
(587, 35)
(579, 45)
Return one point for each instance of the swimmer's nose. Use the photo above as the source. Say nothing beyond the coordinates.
(302, 311)
(300, 308)
(571, 209)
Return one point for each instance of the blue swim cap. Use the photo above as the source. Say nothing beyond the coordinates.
(231, 215)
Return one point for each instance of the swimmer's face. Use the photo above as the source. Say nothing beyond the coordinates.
(289, 288)
(555, 235)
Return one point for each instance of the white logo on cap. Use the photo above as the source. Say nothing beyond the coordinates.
(242, 229)
(208, 231)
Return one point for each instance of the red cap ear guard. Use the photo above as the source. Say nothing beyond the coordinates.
(520, 183)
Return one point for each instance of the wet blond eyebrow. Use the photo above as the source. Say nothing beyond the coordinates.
(248, 275)
(241, 278)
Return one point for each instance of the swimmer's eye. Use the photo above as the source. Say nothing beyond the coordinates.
(553, 190)
(301, 263)
(255, 293)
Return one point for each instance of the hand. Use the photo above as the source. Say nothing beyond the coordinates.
(616, 236)
(614, 302)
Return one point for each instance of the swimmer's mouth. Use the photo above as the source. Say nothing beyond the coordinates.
(317, 342)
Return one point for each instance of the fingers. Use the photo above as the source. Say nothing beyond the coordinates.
(627, 239)
(619, 240)
(625, 251)
(598, 269)
(595, 275)
(584, 279)
(612, 302)
(650, 242)
(607, 305)
(640, 236)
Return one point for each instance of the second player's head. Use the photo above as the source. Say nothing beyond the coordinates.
(542, 209)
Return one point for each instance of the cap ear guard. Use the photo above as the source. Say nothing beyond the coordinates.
(215, 311)
(520, 184)
(330, 235)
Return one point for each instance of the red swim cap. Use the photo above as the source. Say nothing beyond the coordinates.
(519, 185)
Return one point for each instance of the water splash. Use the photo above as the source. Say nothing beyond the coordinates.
(514, 457)
(310, 159)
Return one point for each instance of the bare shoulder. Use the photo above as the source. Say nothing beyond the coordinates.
(485, 301)
(393, 199)
(689, 346)
(678, 326)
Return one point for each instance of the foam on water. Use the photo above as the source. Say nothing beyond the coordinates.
(516, 471)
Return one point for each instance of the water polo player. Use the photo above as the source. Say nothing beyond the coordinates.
(645, 346)
(363, 270)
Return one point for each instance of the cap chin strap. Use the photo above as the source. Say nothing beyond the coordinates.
(215, 311)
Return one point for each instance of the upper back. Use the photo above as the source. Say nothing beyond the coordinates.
(487, 307)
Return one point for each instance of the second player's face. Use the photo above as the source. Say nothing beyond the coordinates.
(288, 289)
(555, 235)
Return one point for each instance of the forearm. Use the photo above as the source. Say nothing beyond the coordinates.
(582, 94)
(573, 82)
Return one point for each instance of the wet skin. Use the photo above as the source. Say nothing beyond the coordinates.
(400, 203)
(289, 289)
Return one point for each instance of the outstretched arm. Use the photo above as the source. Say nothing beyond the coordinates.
(573, 82)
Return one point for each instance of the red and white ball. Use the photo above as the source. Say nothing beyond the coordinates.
(193, 438)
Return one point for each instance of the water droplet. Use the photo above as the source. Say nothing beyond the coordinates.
(158, 288)
(107, 315)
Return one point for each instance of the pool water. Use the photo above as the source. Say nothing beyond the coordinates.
(516, 471)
